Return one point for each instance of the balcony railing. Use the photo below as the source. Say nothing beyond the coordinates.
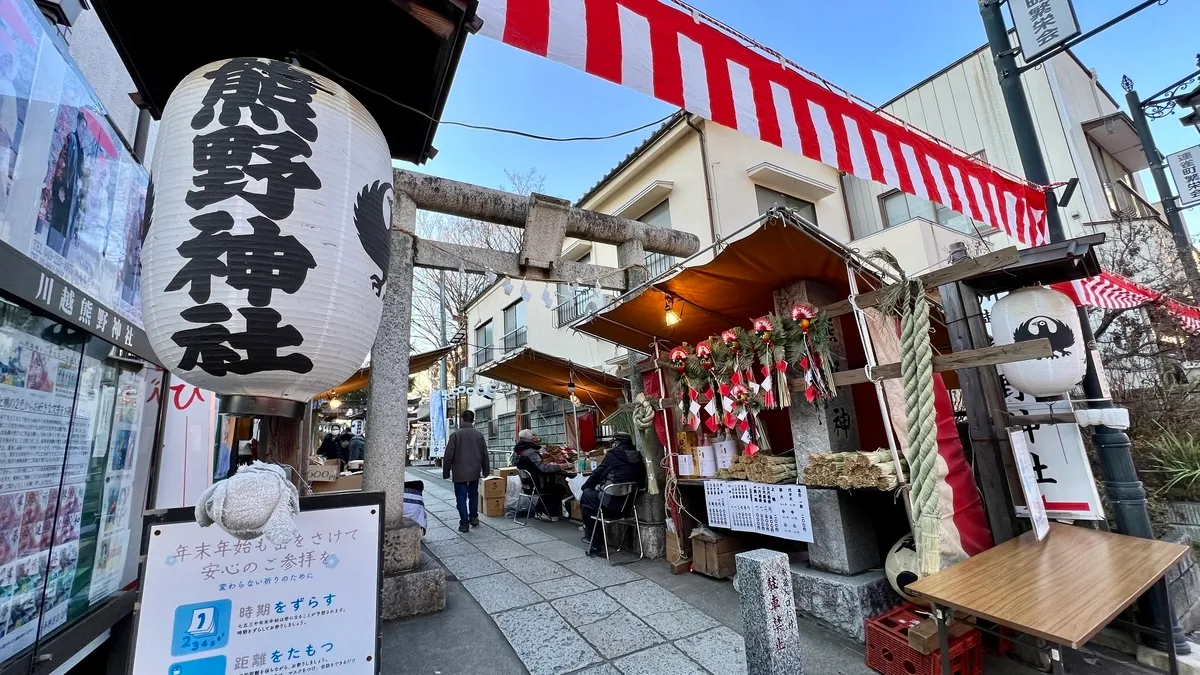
(584, 302)
(483, 355)
(514, 339)
(1124, 201)
(657, 263)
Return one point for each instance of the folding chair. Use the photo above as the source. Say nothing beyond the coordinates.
(530, 492)
(617, 498)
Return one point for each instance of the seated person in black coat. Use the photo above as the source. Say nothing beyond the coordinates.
(623, 464)
(528, 454)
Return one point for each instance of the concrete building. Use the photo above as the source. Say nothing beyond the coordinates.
(1082, 132)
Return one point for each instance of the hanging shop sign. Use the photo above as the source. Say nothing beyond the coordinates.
(776, 510)
(72, 196)
(1038, 312)
(1059, 460)
(1185, 170)
(270, 236)
(1043, 25)
(211, 604)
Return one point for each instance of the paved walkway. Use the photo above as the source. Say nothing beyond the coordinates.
(561, 612)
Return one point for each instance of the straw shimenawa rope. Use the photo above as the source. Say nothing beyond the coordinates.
(916, 372)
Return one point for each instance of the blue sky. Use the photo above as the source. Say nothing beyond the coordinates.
(874, 48)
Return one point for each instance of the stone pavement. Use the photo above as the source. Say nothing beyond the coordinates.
(528, 596)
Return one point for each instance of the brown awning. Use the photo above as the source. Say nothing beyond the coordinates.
(548, 374)
(361, 378)
(733, 289)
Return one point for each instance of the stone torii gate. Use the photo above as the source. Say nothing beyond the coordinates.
(411, 586)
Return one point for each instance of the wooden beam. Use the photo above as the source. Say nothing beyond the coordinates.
(973, 358)
(1015, 420)
(956, 272)
(440, 255)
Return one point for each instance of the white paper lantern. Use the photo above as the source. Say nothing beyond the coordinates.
(1037, 312)
(269, 240)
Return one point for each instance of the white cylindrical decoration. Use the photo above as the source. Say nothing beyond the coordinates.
(1037, 312)
(270, 231)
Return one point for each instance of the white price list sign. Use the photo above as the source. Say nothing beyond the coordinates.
(743, 506)
(214, 605)
(1029, 484)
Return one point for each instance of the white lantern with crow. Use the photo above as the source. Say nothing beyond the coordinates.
(267, 251)
(1033, 313)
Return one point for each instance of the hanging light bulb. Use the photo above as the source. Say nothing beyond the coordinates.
(334, 404)
(506, 285)
(672, 316)
(571, 386)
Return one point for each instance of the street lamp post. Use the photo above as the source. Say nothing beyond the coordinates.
(1160, 105)
(1121, 483)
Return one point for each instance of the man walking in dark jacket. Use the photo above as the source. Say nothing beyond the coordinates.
(622, 464)
(467, 458)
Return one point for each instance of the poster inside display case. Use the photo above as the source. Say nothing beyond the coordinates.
(69, 448)
(72, 196)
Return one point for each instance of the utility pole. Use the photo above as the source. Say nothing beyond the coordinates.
(1121, 484)
(1141, 122)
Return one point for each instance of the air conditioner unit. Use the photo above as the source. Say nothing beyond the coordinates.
(591, 307)
(468, 374)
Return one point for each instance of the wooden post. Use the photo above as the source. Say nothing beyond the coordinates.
(982, 395)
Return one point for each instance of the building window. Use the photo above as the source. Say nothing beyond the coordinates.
(767, 198)
(899, 208)
(485, 423)
(483, 344)
(514, 326)
(659, 216)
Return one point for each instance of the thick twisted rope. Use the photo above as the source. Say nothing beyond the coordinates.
(916, 374)
(643, 419)
(916, 369)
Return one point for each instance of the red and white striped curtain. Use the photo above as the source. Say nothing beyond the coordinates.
(664, 49)
(1109, 290)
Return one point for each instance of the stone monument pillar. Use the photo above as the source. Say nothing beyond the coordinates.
(412, 584)
(769, 623)
(843, 533)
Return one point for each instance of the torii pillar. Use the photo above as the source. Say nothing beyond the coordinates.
(412, 584)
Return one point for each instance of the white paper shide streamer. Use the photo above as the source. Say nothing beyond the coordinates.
(1037, 312)
(269, 240)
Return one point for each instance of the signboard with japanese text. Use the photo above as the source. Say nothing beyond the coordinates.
(1043, 24)
(72, 195)
(1185, 170)
(189, 441)
(214, 605)
(775, 510)
(1036, 509)
(1060, 462)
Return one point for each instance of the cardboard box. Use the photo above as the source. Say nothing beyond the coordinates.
(323, 473)
(493, 506)
(576, 510)
(923, 637)
(713, 556)
(342, 484)
(507, 471)
(493, 486)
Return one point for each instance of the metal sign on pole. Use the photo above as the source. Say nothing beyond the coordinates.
(1185, 169)
(1043, 25)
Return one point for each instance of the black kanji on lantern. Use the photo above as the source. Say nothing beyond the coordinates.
(264, 88)
(223, 157)
(259, 262)
(212, 347)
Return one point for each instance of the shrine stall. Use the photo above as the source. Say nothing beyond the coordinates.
(772, 385)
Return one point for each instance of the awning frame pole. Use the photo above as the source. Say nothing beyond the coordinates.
(860, 320)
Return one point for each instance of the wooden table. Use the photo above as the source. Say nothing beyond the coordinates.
(1062, 589)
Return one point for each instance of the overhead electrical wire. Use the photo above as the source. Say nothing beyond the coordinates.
(483, 127)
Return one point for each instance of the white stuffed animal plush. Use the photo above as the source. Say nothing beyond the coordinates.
(258, 500)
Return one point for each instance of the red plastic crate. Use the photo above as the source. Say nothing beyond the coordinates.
(888, 651)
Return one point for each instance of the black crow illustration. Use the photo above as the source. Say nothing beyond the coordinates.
(1060, 336)
(372, 213)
